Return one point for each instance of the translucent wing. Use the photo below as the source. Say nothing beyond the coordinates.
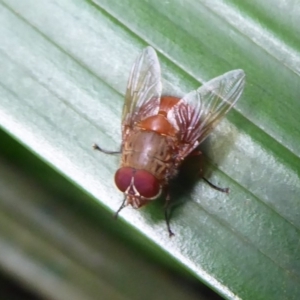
(198, 113)
(144, 88)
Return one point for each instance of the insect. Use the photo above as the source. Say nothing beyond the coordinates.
(159, 132)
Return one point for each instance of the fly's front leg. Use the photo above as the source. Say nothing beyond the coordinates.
(120, 208)
(168, 213)
(96, 147)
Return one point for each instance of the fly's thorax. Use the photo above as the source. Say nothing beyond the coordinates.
(150, 151)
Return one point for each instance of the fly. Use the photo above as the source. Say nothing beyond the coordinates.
(159, 132)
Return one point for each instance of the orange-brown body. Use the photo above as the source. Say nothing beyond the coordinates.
(158, 133)
(151, 145)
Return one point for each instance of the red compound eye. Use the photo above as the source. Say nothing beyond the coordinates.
(123, 178)
(146, 184)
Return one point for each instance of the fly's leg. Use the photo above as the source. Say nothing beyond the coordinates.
(223, 190)
(120, 208)
(96, 147)
(167, 214)
(220, 189)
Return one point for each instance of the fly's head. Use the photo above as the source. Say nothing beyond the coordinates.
(139, 186)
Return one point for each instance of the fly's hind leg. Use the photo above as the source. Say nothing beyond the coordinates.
(220, 189)
(96, 147)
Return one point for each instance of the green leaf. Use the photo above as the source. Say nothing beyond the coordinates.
(64, 70)
(62, 249)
